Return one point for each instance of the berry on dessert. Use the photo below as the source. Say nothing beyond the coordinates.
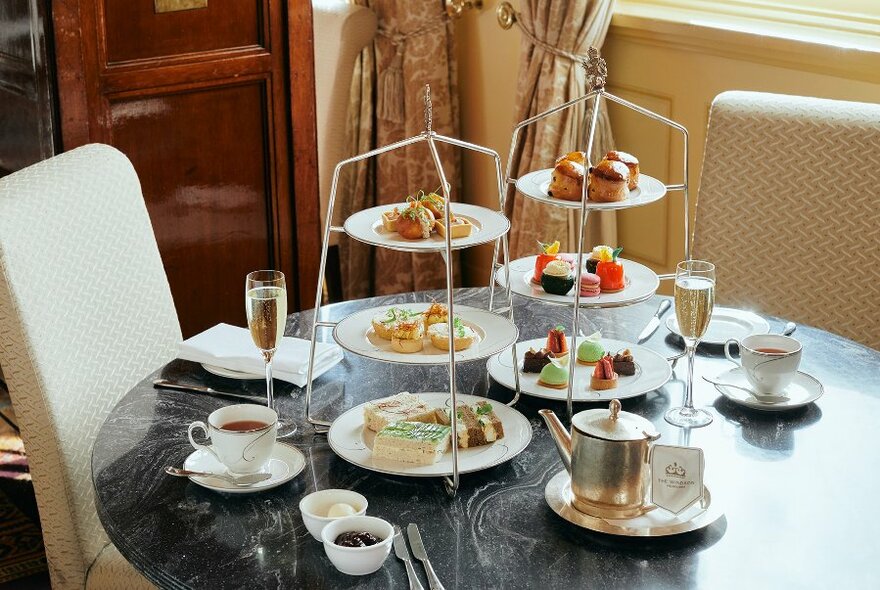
(624, 364)
(590, 350)
(535, 360)
(599, 253)
(556, 341)
(555, 374)
(610, 273)
(604, 376)
(549, 252)
(557, 278)
(590, 285)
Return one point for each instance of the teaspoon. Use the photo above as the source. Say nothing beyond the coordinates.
(239, 480)
(761, 397)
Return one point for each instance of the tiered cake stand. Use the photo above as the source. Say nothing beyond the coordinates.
(496, 332)
(643, 281)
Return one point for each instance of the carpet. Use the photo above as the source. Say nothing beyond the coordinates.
(21, 543)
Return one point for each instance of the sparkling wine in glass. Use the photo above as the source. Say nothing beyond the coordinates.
(694, 300)
(266, 306)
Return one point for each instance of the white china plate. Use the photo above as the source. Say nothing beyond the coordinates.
(535, 184)
(652, 372)
(656, 523)
(494, 333)
(285, 464)
(726, 323)
(641, 284)
(804, 389)
(366, 226)
(231, 374)
(350, 440)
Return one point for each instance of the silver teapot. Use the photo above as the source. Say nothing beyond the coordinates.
(607, 456)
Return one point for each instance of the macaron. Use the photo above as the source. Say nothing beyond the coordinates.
(590, 285)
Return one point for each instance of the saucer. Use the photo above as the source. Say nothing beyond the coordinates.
(655, 523)
(804, 389)
(285, 464)
(230, 373)
(726, 323)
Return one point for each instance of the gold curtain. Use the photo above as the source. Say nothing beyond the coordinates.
(414, 47)
(547, 80)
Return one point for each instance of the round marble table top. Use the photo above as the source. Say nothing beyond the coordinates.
(795, 486)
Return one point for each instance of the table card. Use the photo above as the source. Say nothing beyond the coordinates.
(676, 477)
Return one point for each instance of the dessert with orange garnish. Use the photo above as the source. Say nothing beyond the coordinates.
(611, 277)
(549, 253)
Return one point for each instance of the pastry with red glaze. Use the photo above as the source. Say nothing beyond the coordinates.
(604, 376)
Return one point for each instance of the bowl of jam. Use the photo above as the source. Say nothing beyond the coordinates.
(357, 545)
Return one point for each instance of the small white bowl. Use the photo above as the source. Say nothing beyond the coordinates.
(314, 508)
(358, 561)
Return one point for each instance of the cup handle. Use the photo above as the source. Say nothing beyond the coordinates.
(727, 351)
(197, 446)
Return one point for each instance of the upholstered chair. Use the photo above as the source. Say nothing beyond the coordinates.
(85, 313)
(788, 209)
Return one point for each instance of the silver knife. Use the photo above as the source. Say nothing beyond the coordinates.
(418, 548)
(166, 384)
(655, 321)
(403, 555)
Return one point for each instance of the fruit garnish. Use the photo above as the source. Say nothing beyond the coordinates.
(550, 248)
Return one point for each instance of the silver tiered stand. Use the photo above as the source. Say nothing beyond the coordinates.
(430, 137)
(596, 72)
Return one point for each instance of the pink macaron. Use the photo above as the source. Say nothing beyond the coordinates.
(590, 285)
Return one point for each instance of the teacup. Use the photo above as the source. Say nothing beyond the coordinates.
(770, 361)
(242, 436)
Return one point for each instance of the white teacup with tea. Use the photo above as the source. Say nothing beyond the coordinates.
(242, 436)
(770, 361)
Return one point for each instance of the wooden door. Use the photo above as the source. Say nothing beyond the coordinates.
(198, 94)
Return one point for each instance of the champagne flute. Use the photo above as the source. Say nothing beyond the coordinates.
(694, 300)
(266, 306)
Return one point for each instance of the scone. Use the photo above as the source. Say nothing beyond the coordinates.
(407, 336)
(632, 163)
(608, 182)
(567, 178)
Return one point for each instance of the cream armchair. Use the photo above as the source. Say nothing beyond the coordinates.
(85, 313)
(788, 209)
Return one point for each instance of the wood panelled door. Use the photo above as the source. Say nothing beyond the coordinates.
(200, 99)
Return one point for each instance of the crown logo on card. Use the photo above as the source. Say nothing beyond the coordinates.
(675, 470)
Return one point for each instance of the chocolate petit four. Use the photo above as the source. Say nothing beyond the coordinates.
(535, 360)
(624, 363)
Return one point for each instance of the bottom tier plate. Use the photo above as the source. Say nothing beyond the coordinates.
(349, 440)
(655, 523)
(652, 372)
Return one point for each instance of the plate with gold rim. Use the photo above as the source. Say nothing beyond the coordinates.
(351, 441)
(536, 184)
(656, 522)
(641, 285)
(494, 333)
(652, 372)
(366, 226)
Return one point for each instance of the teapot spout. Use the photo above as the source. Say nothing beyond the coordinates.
(560, 436)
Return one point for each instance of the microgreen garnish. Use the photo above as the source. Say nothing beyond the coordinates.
(484, 408)
(458, 327)
(616, 253)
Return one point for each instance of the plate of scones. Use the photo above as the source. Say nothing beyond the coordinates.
(419, 224)
(422, 334)
(411, 434)
(614, 182)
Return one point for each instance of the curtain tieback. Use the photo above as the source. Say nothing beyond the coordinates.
(390, 102)
(575, 57)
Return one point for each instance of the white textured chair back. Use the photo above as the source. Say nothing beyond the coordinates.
(788, 209)
(85, 313)
(341, 30)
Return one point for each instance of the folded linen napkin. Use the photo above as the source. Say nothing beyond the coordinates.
(232, 348)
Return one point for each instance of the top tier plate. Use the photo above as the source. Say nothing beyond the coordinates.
(534, 185)
(366, 226)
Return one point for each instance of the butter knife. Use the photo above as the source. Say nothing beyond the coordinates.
(655, 321)
(402, 554)
(418, 549)
(166, 384)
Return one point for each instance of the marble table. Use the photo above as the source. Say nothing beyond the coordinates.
(796, 487)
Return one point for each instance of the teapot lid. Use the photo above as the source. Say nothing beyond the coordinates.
(614, 425)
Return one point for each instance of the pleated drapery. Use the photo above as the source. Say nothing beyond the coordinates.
(547, 80)
(414, 47)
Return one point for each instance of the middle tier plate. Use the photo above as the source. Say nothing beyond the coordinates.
(494, 333)
(641, 284)
(366, 226)
(652, 372)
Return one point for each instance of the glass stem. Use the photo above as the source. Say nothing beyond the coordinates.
(270, 393)
(689, 391)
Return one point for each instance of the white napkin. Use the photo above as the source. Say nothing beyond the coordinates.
(232, 348)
